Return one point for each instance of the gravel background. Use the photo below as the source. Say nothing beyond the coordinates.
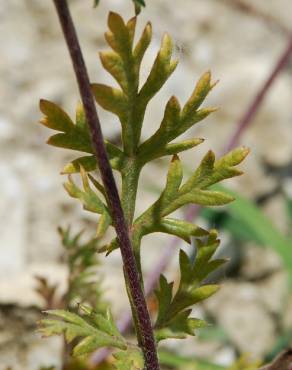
(240, 49)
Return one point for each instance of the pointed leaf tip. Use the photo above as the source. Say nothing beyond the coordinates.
(210, 156)
(114, 19)
(205, 79)
(41, 105)
(148, 26)
(245, 151)
(174, 102)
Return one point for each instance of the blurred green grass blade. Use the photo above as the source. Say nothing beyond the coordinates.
(289, 213)
(283, 342)
(249, 223)
(173, 360)
(213, 333)
(246, 213)
(241, 231)
(224, 220)
(289, 208)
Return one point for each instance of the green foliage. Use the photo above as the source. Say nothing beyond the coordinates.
(244, 363)
(194, 190)
(129, 103)
(137, 3)
(123, 63)
(90, 200)
(173, 319)
(175, 361)
(84, 282)
(132, 359)
(75, 137)
(289, 214)
(176, 121)
(247, 222)
(96, 329)
(140, 2)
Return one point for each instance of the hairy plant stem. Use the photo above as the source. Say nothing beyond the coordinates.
(144, 327)
(130, 178)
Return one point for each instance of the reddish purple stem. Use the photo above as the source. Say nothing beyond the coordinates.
(139, 306)
(257, 101)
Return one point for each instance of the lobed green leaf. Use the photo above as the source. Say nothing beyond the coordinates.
(112, 100)
(176, 121)
(55, 118)
(75, 137)
(174, 308)
(96, 330)
(181, 326)
(132, 359)
(211, 171)
(183, 229)
(202, 89)
(90, 200)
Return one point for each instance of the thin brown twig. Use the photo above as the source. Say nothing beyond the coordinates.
(251, 10)
(243, 123)
(258, 99)
(282, 362)
(144, 328)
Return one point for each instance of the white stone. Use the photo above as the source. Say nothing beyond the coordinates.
(239, 310)
(13, 211)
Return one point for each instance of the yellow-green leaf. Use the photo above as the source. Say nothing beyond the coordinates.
(203, 87)
(143, 44)
(113, 63)
(90, 200)
(55, 118)
(111, 99)
(162, 68)
(97, 331)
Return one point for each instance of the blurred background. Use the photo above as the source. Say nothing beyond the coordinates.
(241, 42)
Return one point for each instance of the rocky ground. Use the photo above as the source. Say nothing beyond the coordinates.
(240, 49)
